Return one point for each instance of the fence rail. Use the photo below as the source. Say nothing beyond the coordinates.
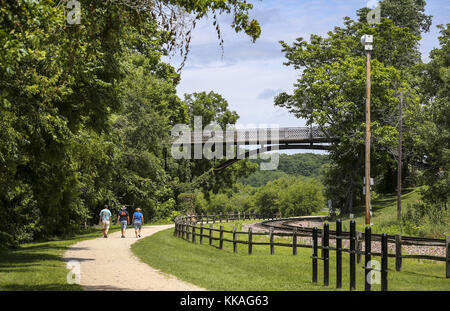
(191, 227)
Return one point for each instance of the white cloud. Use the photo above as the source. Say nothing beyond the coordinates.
(248, 73)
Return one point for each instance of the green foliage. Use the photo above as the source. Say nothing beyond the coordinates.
(260, 178)
(432, 129)
(286, 196)
(404, 13)
(302, 198)
(85, 111)
(331, 93)
(421, 219)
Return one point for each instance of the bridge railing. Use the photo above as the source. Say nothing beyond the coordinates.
(255, 135)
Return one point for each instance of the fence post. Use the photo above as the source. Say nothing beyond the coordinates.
(314, 255)
(210, 234)
(447, 265)
(398, 252)
(352, 254)
(272, 250)
(367, 257)
(201, 233)
(358, 246)
(338, 253)
(239, 215)
(294, 242)
(214, 218)
(243, 217)
(220, 217)
(326, 253)
(207, 218)
(250, 241)
(221, 238)
(193, 234)
(175, 231)
(187, 231)
(234, 240)
(384, 262)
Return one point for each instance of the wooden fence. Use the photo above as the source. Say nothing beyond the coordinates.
(192, 228)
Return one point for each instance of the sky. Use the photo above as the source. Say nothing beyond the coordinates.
(249, 75)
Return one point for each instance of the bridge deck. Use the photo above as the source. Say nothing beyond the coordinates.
(287, 135)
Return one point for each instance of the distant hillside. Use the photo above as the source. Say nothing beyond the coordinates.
(300, 164)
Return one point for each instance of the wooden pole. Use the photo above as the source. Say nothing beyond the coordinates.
(234, 240)
(399, 161)
(201, 233)
(250, 241)
(294, 242)
(221, 238)
(271, 241)
(398, 252)
(210, 234)
(447, 265)
(368, 140)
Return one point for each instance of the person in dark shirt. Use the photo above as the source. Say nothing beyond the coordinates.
(124, 219)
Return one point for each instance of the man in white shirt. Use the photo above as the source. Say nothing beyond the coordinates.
(105, 219)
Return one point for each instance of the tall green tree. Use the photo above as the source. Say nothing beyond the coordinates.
(331, 94)
(432, 131)
(60, 85)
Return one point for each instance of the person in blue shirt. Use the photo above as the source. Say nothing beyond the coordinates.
(124, 219)
(138, 220)
(105, 219)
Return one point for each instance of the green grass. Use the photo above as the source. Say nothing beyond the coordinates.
(384, 217)
(208, 267)
(39, 265)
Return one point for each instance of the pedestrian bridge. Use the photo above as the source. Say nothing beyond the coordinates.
(269, 139)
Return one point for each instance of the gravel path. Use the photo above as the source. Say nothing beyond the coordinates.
(109, 264)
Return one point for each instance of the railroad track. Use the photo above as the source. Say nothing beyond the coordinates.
(286, 224)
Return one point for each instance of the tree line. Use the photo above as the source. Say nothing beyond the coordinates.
(330, 93)
(86, 110)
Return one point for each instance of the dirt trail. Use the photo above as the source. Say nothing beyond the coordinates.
(109, 264)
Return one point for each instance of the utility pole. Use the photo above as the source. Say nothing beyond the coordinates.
(399, 161)
(367, 41)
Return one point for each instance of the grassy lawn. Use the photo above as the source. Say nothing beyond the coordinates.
(208, 267)
(39, 265)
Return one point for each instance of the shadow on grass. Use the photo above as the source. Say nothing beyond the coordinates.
(40, 287)
(8, 258)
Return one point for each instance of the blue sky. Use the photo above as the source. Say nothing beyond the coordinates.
(249, 75)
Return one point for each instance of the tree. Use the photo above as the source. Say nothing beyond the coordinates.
(404, 13)
(331, 93)
(60, 92)
(432, 133)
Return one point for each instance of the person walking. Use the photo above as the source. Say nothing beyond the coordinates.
(105, 219)
(138, 220)
(124, 219)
